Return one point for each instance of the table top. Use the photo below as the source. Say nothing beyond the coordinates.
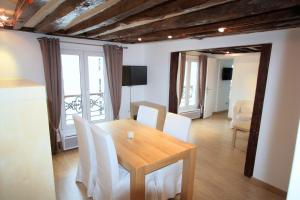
(150, 148)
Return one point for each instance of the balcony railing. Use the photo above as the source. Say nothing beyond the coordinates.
(73, 105)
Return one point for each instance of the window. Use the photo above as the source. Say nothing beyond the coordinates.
(83, 87)
(190, 88)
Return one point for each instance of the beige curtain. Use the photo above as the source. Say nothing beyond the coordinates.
(52, 69)
(114, 59)
(181, 76)
(202, 82)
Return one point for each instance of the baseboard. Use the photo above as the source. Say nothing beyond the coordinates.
(267, 186)
(220, 112)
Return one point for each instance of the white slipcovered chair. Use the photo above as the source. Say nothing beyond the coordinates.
(113, 181)
(87, 159)
(242, 112)
(147, 116)
(169, 178)
(177, 126)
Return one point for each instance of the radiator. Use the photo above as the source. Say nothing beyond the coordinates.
(195, 114)
(70, 142)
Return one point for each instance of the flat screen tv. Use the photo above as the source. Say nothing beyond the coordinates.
(134, 75)
(226, 74)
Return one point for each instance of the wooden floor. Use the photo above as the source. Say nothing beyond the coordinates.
(219, 167)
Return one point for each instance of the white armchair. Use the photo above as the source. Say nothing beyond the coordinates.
(242, 112)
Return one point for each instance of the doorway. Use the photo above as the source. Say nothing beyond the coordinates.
(265, 51)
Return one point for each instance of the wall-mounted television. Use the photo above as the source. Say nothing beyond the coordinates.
(134, 75)
(226, 74)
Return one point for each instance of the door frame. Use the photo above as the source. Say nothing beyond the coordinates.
(262, 76)
(265, 55)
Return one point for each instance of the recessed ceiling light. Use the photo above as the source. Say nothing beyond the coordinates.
(221, 29)
(170, 36)
(139, 39)
(3, 17)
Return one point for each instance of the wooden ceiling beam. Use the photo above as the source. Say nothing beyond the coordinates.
(64, 14)
(24, 10)
(229, 11)
(244, 30)
(236, 49)
(271, 17)
(172, 8)
(116, 12)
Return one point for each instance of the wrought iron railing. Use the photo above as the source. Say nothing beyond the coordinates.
(73, 105)
(97, 111)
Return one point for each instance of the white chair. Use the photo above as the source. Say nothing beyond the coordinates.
(177, 126)
(87, 158)
(147, 116)
(113, 181)
(169, 178)
(242, 112)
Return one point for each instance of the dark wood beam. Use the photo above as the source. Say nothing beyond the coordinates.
(257, 108)
(24, 10)
(64, 14)
(236, 49)
(209, 29)
(229, 11)
(160, 11)
(241, 30)
(116, 12)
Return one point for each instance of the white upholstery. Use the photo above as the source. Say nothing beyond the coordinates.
(87, 159)
(113, 181)
(242, 112)
(147, 116)
(169, 178)
(177, 126)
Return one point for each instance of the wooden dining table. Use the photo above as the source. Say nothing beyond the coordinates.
(150, 150)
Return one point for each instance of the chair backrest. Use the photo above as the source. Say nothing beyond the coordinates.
(85, 142)
(147, 116)
(107, 162)
(243, 106)
(177, 126)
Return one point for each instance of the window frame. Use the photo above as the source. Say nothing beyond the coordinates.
(187, 107)
(84, 87)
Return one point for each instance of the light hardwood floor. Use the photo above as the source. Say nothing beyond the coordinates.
(219, 167)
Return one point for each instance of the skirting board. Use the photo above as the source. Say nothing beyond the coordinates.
(269, 187)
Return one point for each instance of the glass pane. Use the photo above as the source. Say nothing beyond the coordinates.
(193, 83)
(96, 85)
(71, 82)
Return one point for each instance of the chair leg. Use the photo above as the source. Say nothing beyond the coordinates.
(234, 137)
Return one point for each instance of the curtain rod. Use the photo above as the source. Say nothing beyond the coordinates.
(98, 45)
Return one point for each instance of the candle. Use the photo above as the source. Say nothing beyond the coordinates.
(130, 135)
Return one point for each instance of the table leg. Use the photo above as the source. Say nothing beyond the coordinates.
(137, 185)
(188, 173)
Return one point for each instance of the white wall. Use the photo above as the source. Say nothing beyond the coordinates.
(134, 55)
(223, 88)
(21, 58)
(281, 107)
(293, 192)
(244, 78)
